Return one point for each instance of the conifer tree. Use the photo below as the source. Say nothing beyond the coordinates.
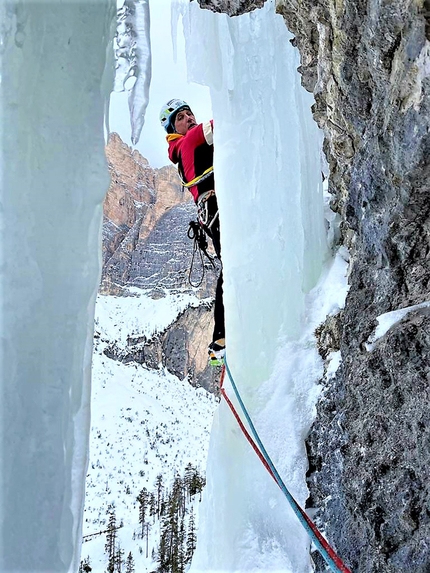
(181, 561)
(178, 497)
(171, 556)
(163, 558)
(85, 566)
(129, 563)
(143, 499)
(159, 493)
(188, 476)
(152, 506)
(197, 484)
(191, 537)
(177, 538)
(110, 546)
(147, 528)
(162, 510)
(119, 554)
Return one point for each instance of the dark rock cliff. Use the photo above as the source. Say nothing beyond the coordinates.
(231, 7)
(367, 63)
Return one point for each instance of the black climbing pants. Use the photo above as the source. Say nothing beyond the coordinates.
(214, 233)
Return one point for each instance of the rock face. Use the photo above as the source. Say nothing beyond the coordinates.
(146, 217)
(179, 348)
(231, 7)
(367, 63)
(145, 244)
(136, 199)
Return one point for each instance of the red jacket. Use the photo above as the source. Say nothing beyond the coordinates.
(193, 153)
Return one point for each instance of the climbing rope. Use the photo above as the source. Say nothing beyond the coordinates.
(197, 179)
(200, 245)
(331, 558)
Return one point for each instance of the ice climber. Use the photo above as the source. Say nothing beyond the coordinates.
(191, 149)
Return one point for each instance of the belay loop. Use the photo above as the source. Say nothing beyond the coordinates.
(196, 233)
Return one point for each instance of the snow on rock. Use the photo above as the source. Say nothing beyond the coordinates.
(388, 320)
(118, 318)
(334, 361)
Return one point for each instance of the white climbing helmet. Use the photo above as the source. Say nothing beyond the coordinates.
(168, 113)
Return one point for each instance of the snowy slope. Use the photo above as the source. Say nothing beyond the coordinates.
(116, 318)
(143, 423)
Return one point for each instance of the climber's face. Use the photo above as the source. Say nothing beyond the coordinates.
(184, 121)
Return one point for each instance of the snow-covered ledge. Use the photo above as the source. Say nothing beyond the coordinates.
(387, 320)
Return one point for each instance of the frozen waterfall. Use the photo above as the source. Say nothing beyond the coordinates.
(269, 187)
(54, 179)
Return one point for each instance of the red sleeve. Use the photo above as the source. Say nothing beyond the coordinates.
(195, 136)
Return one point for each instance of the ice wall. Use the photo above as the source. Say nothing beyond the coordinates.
(53, 181)
(268, 181)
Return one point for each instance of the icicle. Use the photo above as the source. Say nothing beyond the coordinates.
(178, 8)
(139, 97)
(133, 60)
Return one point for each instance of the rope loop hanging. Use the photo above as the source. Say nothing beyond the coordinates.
(200, 245)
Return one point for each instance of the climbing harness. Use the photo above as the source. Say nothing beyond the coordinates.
(331, 558)
(196, 233)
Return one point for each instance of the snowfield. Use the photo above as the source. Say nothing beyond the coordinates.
(143, 423)
(118, 317)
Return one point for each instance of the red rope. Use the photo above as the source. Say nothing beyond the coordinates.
(247, 435)
(336, 559)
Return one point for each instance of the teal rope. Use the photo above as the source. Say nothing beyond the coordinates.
(332, 560)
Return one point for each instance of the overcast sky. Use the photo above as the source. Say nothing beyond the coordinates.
(169, 80)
